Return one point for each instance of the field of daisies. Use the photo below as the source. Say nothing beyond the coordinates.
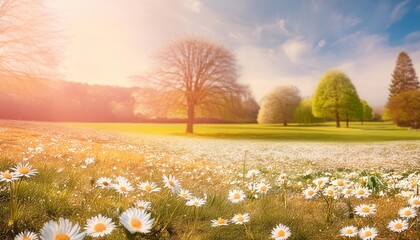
(61, 183)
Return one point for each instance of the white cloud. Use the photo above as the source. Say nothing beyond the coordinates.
(412, 37)
(193, 5)
(282, 24)
(296, 49)
(399, 11)
(322, 43)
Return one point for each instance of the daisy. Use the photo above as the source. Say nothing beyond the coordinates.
(330, 192)
(196, 202)
(89, 161)
(252, 173)
(407, 212)
(123, 186)
(185, 194)
(280, 232)
(63, 229)
(219, 222)
(368, 233)
(320, 182)
(24, 170)
(282, 178)
(104, 182)
(99, 226)
(26, 235)
(7, 176)
(143, 205)
(236, 195)
(262, 188)
(340, 183)
(361, 192)
(136, 220)
(149, 187)
(365, 210)
(171, 182)
(347, 192)
(414, 201)
(309, 193)
(398, 225)
(348, 231)
(240, 218)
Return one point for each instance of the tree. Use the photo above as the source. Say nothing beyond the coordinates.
(366, 112)
(336, 96)
(303, 113)
(195, 75)
(27, 40)
(279, 105)
(404, 77)
(404, 109)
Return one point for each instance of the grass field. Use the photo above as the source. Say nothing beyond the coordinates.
(369, 131)
(71, 159)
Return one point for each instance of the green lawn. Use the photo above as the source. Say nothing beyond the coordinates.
(326, 132)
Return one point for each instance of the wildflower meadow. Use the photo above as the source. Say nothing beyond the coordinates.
(60, 182)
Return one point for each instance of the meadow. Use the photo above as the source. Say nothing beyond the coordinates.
(314, 180)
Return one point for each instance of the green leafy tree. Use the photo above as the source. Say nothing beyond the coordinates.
(303, 113)
(404, 109)
(336, 97)
(404, 77)
(366, 111)
(278, 106)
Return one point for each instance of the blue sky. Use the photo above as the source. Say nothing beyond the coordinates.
(275, 42)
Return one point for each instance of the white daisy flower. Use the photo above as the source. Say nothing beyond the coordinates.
(185, 194)
(89, 161)
(280, 232)
(330, 192)
(252, 173)
(347, 192)
(320, 182)
(99, 226)
(414, 201)
(348, 231)
(262, 188)
(368, 233)
(26, 235)
(365, 210)
(136, 220)
(195, 202)
(123, 186)
(219, 222)
(361, 192)
(240, 218)
(63, 229)
(104, 182)
(171, 182)
(7, 176)
(149, 187)
(339, 183)
(398, 225)
(309, 193)
(407, 212)
(144, 205)
(282, 178)
(24, 170)
(236, 195)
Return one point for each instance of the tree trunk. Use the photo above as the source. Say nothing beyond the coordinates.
(337, 118)
(285, 123)
(361, 120)
(347, 120)
(190, 119)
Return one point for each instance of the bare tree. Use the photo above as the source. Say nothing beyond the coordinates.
(26, 39)
(195, 75)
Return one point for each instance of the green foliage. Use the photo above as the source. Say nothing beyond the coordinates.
(404, 108)
(367, 111)
(303, 113)
(336, 97)
(404, 77)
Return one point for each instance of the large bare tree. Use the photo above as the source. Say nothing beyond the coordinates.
(27, 38)
(196, 75)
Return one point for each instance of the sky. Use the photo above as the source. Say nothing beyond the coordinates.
(276, 42)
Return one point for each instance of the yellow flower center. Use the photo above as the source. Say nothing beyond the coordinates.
(23, 170)
(310, 192)
(184, 195)
(123, 189)
(142, 207)
(240, 219)
(413, 185)
(398, 226)
(61, 236)
(236, 196)
(148, 188)
(171, 183)
(340, 183)
(320, 182)
(99, 227)
(26, 238)
(361, 192)
(349, 231)
(281, 233)
(263, 188)
(220, 221)
(106, 184)
(196, 203)
(365, 209)
(348, 191)
(330, 192)
(136, 224)
(368, 233)
(7, 175)
(407, 213)
(416, 202)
